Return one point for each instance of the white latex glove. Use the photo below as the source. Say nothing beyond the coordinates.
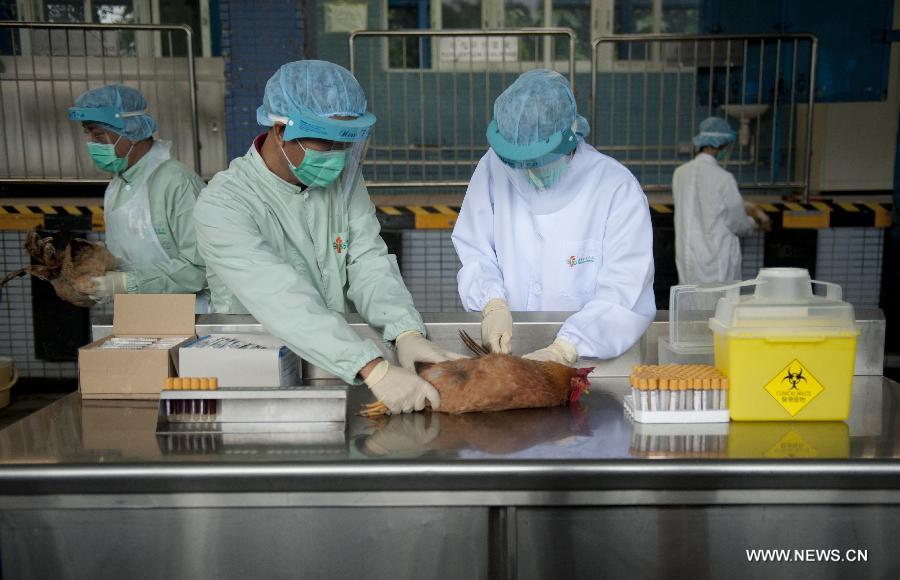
(496, 326)
(401, 390)
(561, 351)
(107, 286)
(414, 348)
(407, 434)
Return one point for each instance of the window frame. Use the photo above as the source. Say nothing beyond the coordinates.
(492, 17)
(145, 12)
(602, 23)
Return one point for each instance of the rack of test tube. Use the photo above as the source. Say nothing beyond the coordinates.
(677, 394)
(198, 405)
(193, 410)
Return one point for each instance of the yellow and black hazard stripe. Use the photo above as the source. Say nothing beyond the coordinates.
(812, 215)
(788, 215)
(829, 214)
(51, 217)
(418, 217)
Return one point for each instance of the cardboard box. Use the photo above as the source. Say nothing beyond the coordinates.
(137, 374)
(273, 366)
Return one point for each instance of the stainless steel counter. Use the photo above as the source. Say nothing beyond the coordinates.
(88, 490)
(76, 446)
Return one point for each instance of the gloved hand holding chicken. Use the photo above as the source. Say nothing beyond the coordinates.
(101, 289)
(496, 326)
(401, 390)
(560, 351)
(488, 382)
(414, 348)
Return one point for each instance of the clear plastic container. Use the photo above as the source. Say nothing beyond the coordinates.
(788, 353)
(674, 355)
(690, 338)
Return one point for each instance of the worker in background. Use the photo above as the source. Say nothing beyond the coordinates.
(548, 223)
(289, 235)
(710, 213)
(149, 203)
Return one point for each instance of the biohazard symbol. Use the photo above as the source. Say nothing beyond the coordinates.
(794, 387)
(794, 378)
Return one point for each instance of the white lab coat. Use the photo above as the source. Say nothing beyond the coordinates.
(709, 216)
(588, 249)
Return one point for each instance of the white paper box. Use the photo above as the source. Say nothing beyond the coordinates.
(273, 366)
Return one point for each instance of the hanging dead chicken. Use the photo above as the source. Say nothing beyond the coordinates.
(70, 270)
(498, 382)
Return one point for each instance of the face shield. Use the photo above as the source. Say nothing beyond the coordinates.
(541, 176)
(333, 148)
(539, 168)
(543, 195)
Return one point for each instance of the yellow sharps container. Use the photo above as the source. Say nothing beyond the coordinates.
(788, 354)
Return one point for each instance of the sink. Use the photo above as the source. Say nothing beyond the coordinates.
(745, 113)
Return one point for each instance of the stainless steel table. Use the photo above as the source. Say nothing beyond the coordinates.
(88, 490)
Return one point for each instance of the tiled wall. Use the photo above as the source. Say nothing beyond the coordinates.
(852, 257)
(752, 253)
(429, 265)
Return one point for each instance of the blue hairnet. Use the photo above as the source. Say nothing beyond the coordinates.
(714, 132)
(311, 86)
(124, 100)
(538, 104)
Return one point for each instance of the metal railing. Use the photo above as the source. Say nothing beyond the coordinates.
(433, 93)
(650, 92)
(44, 67)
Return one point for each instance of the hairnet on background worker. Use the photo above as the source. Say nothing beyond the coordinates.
(709, 211)
(548, 223)
(289, 235)
(714, 132)
(149, 202)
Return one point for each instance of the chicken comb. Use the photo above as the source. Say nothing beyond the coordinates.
(470, 343)
(579, 384)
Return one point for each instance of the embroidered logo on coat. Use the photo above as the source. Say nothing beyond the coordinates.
(576, 261)
(339, 244)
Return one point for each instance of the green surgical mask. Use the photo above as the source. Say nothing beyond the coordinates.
(318, 168)
(104, 156)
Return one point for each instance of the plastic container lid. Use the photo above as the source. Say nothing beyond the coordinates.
(783, 303)
(690, 308)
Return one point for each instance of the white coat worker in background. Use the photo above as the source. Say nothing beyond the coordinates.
(710, 213)
(289, 235)
(548, 223)
(149, 203)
